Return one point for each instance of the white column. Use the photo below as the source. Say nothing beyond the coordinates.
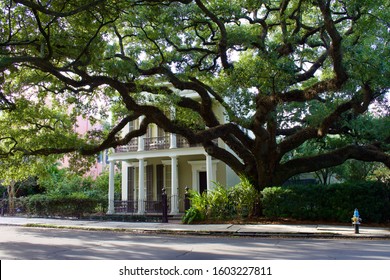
(125, 176)
(141, 139)
(209, 172)
(195, 179)
(174, 187)
(111, 188)
(172, 141)
(172, 136)
(141, 186)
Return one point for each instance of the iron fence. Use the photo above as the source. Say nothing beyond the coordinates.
(131, 206)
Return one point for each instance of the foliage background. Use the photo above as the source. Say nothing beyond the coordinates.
(319, 203)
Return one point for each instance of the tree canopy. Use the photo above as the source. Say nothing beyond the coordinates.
(288, 73)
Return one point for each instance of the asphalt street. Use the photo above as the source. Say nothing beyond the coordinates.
(17, 242)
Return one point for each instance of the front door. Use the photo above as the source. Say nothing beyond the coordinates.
(202, 181)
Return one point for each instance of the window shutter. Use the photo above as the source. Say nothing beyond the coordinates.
(149, 182)
(130, 183)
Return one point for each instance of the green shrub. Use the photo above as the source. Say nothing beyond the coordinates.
(243, 198)
(100, 185)
(219, 205)
(74, 205)
(222, 203)
(193, 215)
(328, 203)
(198, 210)
(38, 205)
(275, 202)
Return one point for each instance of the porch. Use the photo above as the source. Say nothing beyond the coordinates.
(144, 177)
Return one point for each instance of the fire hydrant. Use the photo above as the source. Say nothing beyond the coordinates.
(356, 220)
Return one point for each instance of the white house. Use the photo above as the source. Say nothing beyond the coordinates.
(160, 160)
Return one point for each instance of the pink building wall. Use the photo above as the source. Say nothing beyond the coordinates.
(82, 126)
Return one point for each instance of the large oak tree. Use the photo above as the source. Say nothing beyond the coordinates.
(287, 73)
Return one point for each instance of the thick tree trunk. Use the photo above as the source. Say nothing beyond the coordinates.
(264, 177)
(11, 198)
(267, 172)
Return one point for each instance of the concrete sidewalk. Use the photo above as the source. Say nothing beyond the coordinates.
(175, 227)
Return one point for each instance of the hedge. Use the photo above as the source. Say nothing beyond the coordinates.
(74, 205)
(329, 202)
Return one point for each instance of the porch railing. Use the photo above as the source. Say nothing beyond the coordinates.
(156, 143)
(131, 147)
(181, 142)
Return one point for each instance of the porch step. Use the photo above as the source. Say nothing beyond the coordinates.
(175, 217)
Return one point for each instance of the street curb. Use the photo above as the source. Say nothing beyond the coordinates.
(308, 235)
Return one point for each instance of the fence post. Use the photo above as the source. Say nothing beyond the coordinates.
(164, 206)
(187, 203)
